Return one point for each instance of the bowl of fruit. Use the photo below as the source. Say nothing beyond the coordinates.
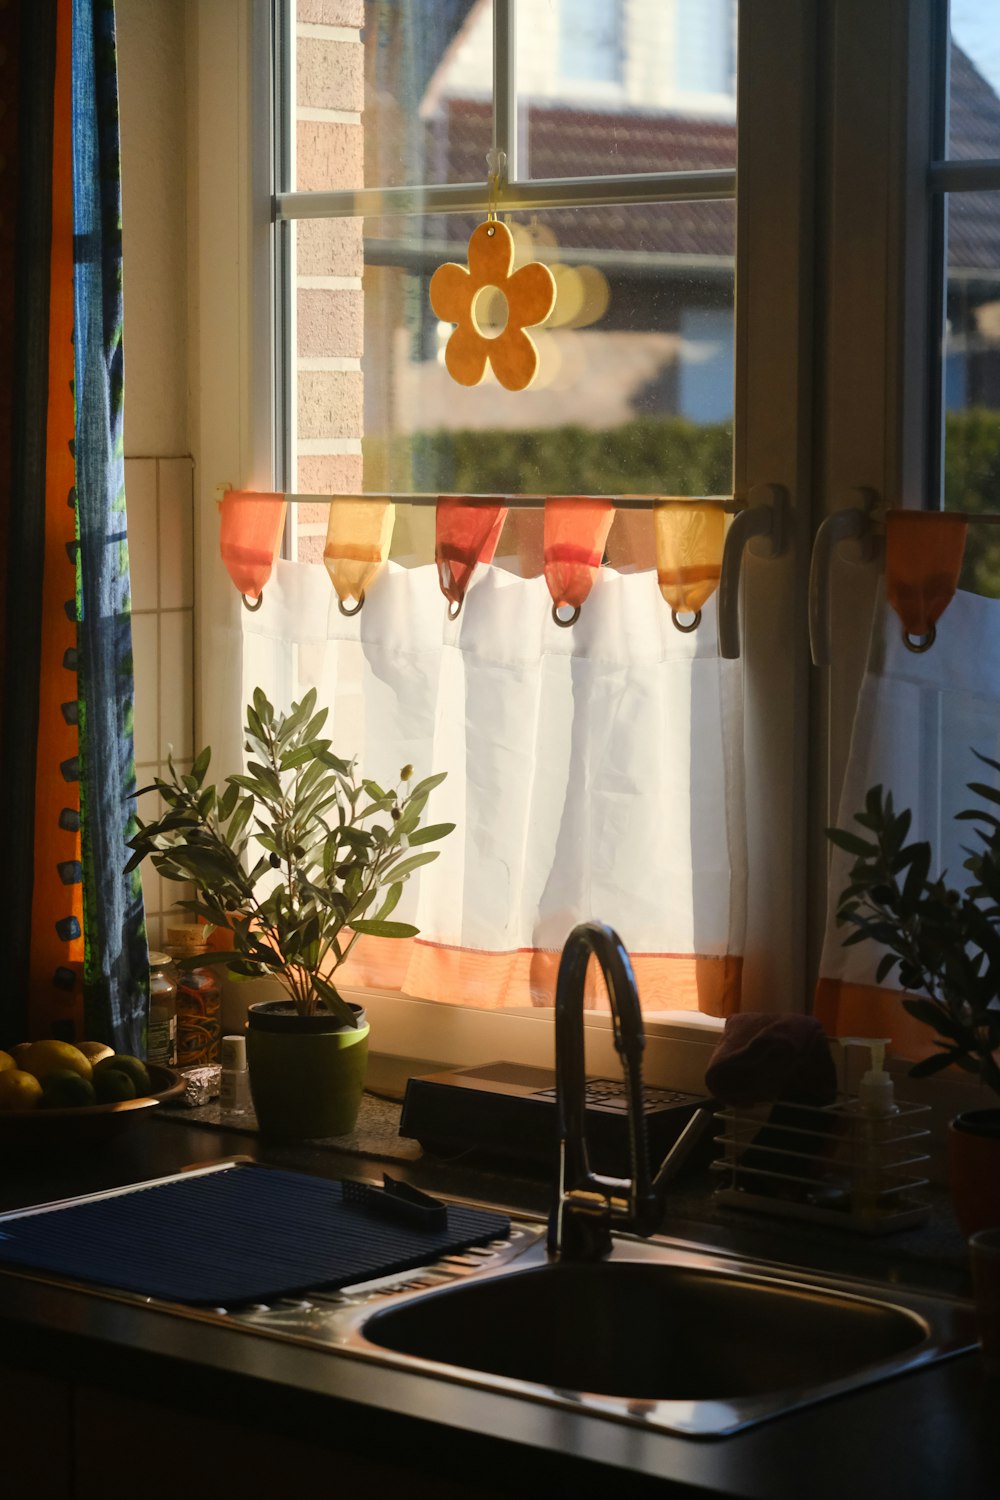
(53, 1093)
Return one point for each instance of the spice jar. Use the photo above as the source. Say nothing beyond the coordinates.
(199, 995)
(161, 1036)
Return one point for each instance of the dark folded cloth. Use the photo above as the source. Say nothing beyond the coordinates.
(763, 1057)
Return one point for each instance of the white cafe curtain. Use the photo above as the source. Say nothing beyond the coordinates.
(593, 772)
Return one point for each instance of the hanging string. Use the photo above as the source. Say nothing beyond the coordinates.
(690, 537)
(576, 531)
(251, 527)
(923, 559)
(358, 535)
(466, 533)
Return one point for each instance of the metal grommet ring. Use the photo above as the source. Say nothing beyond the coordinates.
(920, 644)
(253, 608)
(693, 624)
(558, 619)
(356, 610)
(454, 608)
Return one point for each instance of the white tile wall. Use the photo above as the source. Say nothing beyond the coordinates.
(160, 500)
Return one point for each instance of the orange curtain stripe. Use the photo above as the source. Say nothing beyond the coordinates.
(527, 976)
(846, 1009)
(923, 560)
(576, 530)
(56, 997)
(250, 535)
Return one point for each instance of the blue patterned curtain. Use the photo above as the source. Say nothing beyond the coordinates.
(75, 957)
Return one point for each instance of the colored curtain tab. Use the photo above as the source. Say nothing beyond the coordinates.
(690, 537)
(576, 530)
(923, 560)
(467, 534)
(251, 530)
(530, 295)
(358, 534)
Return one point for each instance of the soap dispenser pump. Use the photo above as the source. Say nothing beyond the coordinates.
(876, 1094)
(876, 1104)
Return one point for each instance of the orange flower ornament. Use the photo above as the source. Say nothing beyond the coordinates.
(530, 293)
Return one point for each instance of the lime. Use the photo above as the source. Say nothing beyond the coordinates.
(19, 1090)
(51, 1056)
(113, 1085)
(131, 1066)
(65, 1089)
(6, 1061)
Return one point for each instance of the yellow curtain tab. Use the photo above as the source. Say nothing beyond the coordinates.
(690, 536)
(358, 534)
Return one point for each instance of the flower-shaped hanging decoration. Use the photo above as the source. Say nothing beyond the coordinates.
(530, 294)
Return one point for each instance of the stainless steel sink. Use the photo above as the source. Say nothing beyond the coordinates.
(663, 1334)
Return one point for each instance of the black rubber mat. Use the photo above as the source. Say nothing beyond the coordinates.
(239, 1234)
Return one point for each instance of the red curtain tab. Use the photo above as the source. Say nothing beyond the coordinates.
(252, 524)
(576, 529)
(923, 560)
(467, 533)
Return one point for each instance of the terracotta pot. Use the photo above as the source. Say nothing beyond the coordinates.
(307, 1073)
(974, 1169)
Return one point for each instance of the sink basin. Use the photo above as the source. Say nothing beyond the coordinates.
(664, 1334)
(648, 1332)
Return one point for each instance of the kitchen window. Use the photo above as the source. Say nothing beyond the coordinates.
(827, 325)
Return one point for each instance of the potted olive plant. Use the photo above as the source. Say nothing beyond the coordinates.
(297, 857)
(945, 945)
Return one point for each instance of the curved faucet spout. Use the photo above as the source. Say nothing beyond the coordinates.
(586, 1202)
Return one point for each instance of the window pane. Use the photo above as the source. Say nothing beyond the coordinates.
(972, 378)
(974, 116)
(376, 107)
(635, 386)
(606, 87)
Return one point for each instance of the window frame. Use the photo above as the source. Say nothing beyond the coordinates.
(813, 169)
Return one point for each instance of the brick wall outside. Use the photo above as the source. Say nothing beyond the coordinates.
(329, 399)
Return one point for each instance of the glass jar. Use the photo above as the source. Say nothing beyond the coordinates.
(199, 998)
(161, 1040)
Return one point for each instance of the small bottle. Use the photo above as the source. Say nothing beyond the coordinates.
(873, 1112)
(234, 1084)
(161, 1035)
(199, 997)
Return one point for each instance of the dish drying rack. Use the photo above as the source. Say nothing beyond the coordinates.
(831, 1164)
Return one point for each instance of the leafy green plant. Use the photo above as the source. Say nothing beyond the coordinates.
(298, 857)
(943, 941)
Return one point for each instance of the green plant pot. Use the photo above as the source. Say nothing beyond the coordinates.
(307, 1073)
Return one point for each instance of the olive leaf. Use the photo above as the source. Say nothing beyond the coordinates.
(285, 854)
(944, 942)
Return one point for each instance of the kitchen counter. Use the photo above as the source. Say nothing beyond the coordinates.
(230, 1408)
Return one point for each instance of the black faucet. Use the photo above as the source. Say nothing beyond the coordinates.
(586, 1204)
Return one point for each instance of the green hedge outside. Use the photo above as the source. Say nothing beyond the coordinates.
(667, 456)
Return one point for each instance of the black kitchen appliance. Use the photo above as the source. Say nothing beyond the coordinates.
(508, 1111)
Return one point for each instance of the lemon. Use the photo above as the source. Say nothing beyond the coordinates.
(112, 1085)
(64, 1089)
(19, 1090)
(6, 1061)
(47, 1057)
(95, 1052)
(131, 1066)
